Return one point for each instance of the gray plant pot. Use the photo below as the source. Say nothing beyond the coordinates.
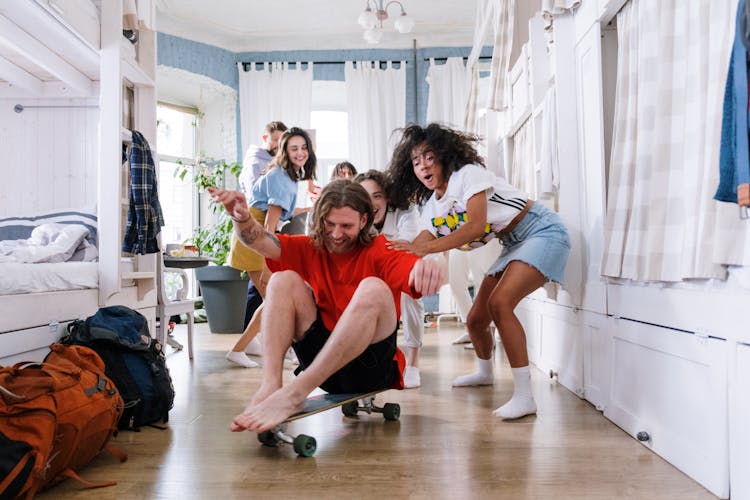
(224, 293)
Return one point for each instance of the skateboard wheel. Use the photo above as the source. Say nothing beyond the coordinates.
(391, 411)
(305, 446)
(350, 409)
(268, 438)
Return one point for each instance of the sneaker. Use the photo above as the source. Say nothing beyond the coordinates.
(411, 377)
(463, 339)
(241, 359)
(254, 348)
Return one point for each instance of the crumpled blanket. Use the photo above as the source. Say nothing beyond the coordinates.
(51, 243)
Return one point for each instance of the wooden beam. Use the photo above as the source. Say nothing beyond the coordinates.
(18, 40)
(19, 77)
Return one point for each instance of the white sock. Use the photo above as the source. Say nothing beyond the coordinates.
(411, 377)
(522, 403)
(462, 339)
(254, 348)
(241, 359)
(291, 356)
(483, 375)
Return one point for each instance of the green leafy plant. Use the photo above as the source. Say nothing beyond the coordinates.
(212, 241)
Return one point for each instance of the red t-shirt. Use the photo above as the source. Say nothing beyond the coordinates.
(335, 277)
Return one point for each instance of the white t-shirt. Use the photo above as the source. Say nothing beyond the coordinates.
(401, 224)
(443, 216)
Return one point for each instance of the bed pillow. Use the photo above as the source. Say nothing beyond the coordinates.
(20, 227)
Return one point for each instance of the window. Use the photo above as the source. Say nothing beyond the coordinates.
(176, 143)
(330, 120)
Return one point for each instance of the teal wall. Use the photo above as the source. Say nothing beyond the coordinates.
(221, 65)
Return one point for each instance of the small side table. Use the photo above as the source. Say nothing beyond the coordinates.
(185, 262)
(182, 263)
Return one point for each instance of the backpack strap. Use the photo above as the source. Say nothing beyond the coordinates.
(89, 484)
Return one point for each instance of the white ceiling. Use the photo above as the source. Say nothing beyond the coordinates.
(259, 26)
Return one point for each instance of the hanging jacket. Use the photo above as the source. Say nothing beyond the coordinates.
(145, 217)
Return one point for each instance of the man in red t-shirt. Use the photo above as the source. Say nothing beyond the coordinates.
(334, 297)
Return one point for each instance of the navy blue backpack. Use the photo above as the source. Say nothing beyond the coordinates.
(132, 359)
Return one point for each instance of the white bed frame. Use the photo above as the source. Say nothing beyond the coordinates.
(82, 47)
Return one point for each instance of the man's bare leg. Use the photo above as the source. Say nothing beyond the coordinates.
(369, 318)
(289, 311)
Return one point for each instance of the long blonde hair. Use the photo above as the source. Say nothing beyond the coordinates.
(339, 194)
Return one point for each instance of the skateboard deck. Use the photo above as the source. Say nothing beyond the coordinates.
(350, 404)
(322, 402)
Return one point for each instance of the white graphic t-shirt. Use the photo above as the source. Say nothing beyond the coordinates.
(443, 216)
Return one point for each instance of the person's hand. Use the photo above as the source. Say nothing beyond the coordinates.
(427, 276)
(234, 202)
(407, 246)
(313, 193)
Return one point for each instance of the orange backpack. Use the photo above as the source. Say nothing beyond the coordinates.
(55, 417)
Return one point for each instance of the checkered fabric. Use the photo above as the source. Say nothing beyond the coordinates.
(661, 222)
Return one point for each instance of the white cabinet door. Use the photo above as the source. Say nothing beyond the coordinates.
(739, 424)
(669, 390)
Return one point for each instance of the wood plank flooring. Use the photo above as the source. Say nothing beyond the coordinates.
(447, 444)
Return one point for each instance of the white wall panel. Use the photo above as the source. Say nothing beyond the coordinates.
(591, 151)
(48, 156)
(597, 358)
(708, 310)
(561, 347)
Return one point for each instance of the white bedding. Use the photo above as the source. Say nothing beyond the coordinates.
(34, 278)
(52, 243)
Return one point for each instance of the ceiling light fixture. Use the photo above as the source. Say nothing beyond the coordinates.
(376, 11)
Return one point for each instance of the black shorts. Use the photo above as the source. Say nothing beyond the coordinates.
(374, 369)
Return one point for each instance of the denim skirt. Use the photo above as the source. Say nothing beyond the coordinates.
(540, 239)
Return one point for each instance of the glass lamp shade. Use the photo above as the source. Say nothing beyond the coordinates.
(404, 24)
(367, 19)
(373, 35)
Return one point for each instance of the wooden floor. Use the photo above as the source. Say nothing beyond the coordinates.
(446, 445)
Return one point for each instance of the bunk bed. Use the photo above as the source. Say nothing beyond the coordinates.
(64, 65)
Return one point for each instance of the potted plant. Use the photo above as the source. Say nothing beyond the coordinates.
(224, 288)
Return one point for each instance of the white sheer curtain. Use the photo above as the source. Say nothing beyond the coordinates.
(449, 89)
(499, 14)
(273, 91)
(661, 222)
(523, 167)
(376, 102)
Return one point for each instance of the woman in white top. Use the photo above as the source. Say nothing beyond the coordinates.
(399, 224)
(465, 206)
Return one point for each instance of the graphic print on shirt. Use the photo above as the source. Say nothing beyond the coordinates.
(457, 217)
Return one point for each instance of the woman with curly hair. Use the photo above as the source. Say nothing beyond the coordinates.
(465, 206)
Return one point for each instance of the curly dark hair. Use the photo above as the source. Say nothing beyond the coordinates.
(281, 160)
(339, 194)
(385, 183)
(453, 149)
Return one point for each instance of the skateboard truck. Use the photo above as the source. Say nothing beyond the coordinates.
(390, 411)
(304, 445)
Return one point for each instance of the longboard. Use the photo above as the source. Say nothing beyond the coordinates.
(350, 404)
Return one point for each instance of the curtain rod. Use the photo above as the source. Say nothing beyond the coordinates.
(18, 108)
(443, 59)
(245, 63)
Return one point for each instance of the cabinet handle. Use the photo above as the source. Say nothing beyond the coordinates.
(643, 436)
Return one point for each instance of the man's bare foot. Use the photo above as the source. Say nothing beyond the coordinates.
(261, 394)
(270, 412)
